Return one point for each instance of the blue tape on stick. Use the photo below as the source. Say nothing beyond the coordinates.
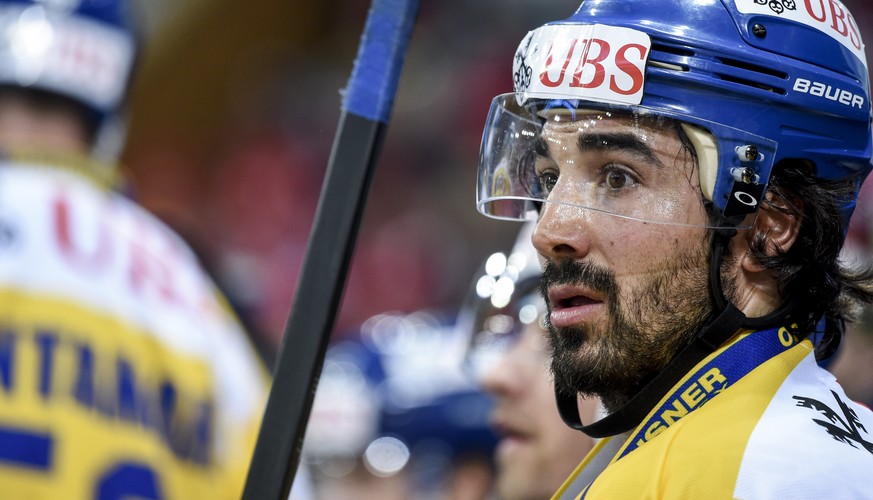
(373, 84)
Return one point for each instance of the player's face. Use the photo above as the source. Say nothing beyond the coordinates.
(623, 295)
(537, 451)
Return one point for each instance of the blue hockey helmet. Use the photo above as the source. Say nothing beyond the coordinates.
(81, 49)
(748, 83)
(394, 396)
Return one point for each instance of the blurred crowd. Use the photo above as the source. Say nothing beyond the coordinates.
(243, 189)
(244, 185)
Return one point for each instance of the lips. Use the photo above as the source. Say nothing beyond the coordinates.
(512, 437)
(572, 305)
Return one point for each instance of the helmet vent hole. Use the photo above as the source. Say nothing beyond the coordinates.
(752, 75)
(751, 83)
(754, 68)
(670, 57)
(669, 66)
(669, 49)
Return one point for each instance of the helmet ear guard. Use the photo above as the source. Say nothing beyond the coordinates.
(706, 150)
(747, 190)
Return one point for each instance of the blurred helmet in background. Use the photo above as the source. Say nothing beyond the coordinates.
(503, 299)
(82, 50)
(396, 399)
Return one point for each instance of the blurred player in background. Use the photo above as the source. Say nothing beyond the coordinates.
(122, 372)
(853, 362)
(510, 355)
(395, 417)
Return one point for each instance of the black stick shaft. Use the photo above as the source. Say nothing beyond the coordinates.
(363, 122)
(315, 306)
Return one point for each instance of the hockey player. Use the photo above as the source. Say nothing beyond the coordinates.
(123, 374)
(692, 166)
(509, 355)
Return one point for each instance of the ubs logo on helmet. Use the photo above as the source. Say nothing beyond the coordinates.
(827, 16)
(579, 61)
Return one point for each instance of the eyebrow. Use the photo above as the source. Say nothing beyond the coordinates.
(612, 141)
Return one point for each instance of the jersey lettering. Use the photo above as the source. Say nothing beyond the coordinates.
(149, 261)
(708, 384)
(181, 421)
(115, 381)
(89, 256)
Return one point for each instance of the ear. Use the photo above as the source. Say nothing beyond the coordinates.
(778, 223)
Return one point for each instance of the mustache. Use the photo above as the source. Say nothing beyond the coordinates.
(584, 273)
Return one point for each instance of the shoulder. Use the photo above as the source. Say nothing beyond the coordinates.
(810, 430)
(764, 437)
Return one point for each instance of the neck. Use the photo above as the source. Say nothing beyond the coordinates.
(58, 129)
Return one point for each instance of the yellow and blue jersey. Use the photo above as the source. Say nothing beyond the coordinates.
(757, 419)
(123, 374)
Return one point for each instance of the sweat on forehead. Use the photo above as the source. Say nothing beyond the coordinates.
(640, 133)
(641, 138)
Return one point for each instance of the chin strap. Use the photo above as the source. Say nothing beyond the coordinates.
(726, 321)
(833, 332)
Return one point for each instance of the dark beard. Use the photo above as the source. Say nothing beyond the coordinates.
(641, 334)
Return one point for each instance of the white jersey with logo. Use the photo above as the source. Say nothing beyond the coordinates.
(122, 372)
(737, 428)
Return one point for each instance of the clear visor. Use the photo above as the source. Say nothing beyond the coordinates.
(628, 162)
(496, 329)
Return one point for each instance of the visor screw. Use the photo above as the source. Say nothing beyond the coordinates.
(759, 30)
(748, 175)
(751, 153)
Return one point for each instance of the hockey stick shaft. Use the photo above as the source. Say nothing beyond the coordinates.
(366, 110)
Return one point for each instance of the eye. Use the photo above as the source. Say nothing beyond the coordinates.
(547, 181)
(616, 178)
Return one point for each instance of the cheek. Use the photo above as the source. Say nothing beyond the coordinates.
(641, 248)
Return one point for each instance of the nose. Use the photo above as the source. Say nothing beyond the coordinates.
(514, 373)
(562, 231)
(501, 378)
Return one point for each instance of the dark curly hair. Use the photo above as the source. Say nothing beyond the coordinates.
(809, 272)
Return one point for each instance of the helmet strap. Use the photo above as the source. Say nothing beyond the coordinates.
(782, 316)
